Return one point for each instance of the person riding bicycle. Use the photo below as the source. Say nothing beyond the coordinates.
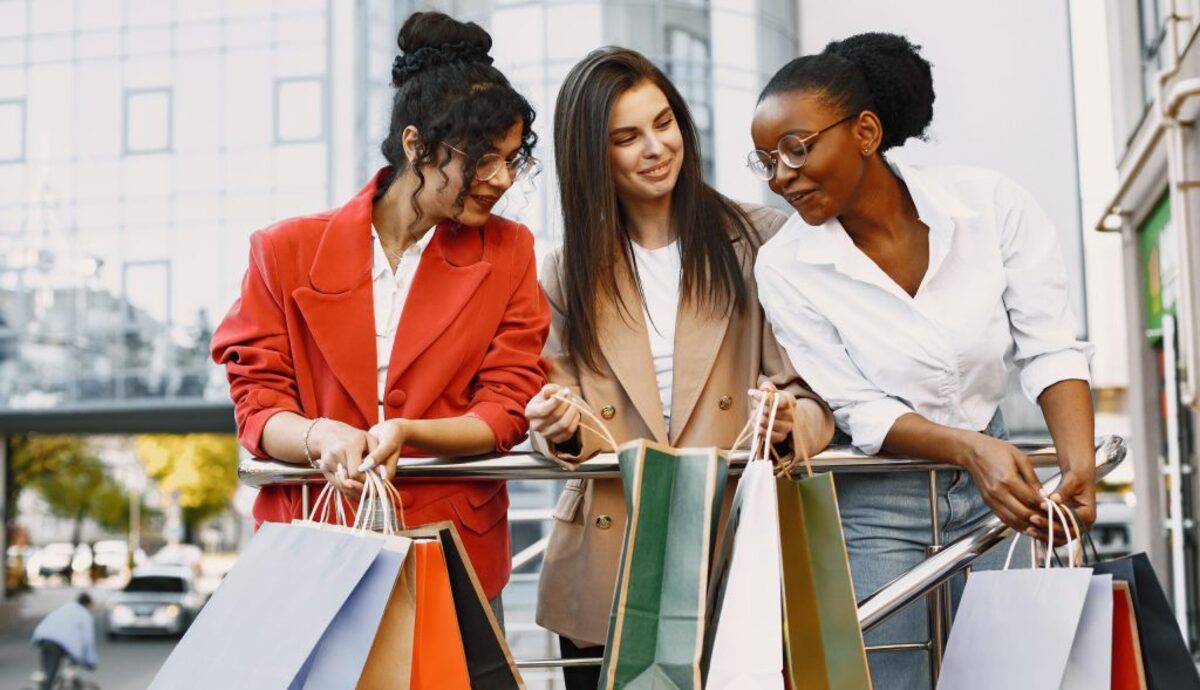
(69, 631)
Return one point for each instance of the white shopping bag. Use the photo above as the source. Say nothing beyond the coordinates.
(747, 648)
(1090, 663)
(1039, 629)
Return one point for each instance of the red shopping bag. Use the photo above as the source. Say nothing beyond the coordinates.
(1128, 671)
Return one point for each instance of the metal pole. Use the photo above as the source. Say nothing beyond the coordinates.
(934, 600)
(1174, 474)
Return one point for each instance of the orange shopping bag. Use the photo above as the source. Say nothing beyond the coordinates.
(438, 660)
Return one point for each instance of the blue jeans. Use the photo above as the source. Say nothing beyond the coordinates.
(886, 520)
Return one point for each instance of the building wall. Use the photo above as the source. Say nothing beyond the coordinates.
(140, 144)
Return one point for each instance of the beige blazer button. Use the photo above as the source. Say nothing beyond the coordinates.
(608, 412)
(603, 522)
(725, 402)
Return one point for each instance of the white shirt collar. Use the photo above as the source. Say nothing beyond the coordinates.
(937, 206)
(379, 258)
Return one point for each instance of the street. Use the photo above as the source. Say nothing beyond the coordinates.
(124, 663)
(131, 663)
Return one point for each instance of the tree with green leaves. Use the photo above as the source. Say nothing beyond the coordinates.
(70, 478)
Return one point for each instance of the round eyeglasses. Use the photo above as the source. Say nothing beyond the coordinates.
(489, 165)
(792, 149)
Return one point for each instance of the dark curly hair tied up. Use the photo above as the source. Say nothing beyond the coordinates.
(447, 88)
(404, 66)
(881, 72)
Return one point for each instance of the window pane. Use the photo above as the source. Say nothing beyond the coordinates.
(298, 110)
(147, 121)
(12, 131)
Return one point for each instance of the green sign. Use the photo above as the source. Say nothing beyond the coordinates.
(1160, 268)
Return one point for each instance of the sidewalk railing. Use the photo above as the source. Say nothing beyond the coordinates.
(929, 579)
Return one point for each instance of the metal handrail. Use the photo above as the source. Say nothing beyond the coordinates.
(923, 580)
(509, 466)
(936, 569)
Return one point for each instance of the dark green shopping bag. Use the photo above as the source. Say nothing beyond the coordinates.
(823, 642)
(673, 499)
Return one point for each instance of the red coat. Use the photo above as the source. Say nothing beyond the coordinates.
(301, 338)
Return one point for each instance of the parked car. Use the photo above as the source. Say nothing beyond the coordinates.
(110, 557)
(186, 555)
(54, 560)
(157, 600)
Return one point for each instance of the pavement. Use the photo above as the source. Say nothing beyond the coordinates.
(123, 663)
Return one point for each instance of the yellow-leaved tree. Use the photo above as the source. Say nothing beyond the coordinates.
(200, 468)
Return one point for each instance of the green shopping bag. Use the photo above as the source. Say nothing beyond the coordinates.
(673, 499)
(823, 642)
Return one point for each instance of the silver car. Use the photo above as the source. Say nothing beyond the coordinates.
(157, 600)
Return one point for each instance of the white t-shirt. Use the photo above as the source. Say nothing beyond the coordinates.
(390, 291)
(660, 271)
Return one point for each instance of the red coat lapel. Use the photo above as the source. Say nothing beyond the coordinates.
(338, 306)
(451, 271)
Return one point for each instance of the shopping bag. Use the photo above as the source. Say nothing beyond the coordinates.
(657, 629)
(1020, 628)
(1167, 662)
(340, 656)
(822, 638)
(389, 663)
(1128, 672)
(490, 664)
(438, 659)
(1089, 665)
(745, 649)
(252, 633)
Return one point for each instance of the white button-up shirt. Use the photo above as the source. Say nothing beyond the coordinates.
(995, 292)
(390, 289)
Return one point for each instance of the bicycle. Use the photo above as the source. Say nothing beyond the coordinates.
(69, 678)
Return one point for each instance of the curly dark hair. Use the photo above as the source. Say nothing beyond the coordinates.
(880, 72)
(448, 89)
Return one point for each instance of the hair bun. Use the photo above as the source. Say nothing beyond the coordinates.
(899, 78)
(430, 39)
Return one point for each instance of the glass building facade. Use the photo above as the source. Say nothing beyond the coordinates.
(142, 141)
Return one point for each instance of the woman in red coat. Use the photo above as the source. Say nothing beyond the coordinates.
(408, 321)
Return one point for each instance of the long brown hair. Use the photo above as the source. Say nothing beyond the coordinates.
(595, 234)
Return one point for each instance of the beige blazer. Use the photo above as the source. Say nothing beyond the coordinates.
(716, 360)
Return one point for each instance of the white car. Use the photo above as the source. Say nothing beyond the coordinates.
(186, 555)
(157, 600)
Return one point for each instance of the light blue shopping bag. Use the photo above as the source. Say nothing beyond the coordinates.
(263, 623)
(338, 660)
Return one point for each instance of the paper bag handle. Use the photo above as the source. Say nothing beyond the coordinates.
(600, 429)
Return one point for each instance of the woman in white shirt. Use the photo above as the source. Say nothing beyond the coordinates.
(900, 294)
(655, 322)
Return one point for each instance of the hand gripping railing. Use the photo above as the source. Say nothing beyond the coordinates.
(929, 578)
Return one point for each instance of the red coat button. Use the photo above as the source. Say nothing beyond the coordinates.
(396, 398)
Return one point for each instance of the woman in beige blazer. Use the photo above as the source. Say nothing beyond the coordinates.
(656, 322)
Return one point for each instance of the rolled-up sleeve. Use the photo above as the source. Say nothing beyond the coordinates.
(252, 344)
(819, 356)
(1037, 297)
(513, 370)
